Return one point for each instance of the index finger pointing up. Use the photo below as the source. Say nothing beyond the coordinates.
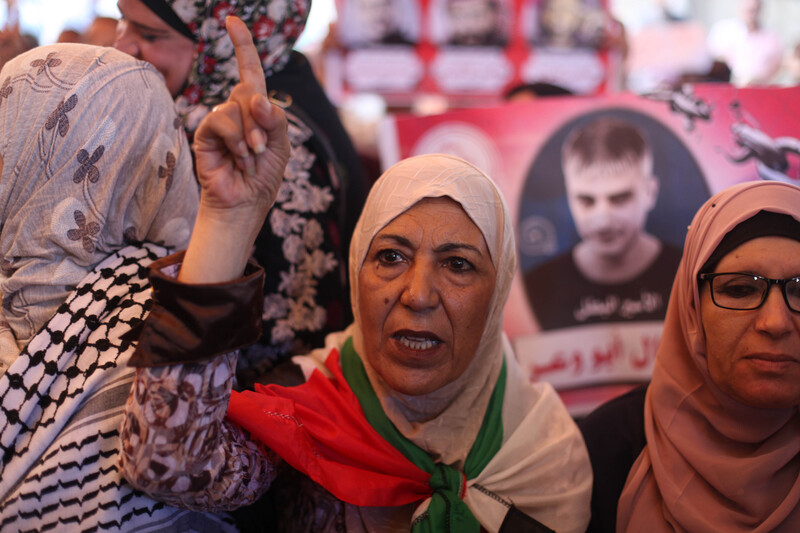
(250, 70)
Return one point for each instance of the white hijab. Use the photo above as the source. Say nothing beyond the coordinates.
(459, 406)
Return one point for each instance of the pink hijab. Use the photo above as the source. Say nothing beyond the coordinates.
(711, 463)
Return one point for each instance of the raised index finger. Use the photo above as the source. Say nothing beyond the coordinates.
(250, 70)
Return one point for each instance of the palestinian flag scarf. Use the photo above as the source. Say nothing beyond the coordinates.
(334, 430)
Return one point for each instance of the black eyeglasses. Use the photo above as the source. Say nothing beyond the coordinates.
(741, 292)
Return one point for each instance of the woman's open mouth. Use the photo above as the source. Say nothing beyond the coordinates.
(417, 340)
(417, 344)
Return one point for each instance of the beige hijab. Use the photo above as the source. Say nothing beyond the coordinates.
(459, 406)
(711, 463)
(83, 175)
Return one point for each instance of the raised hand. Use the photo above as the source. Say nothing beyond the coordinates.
(241, 150)
(242, 146)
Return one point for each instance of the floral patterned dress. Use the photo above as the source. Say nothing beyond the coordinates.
(306, 294)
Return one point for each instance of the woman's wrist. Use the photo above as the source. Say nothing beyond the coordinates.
(221, 244)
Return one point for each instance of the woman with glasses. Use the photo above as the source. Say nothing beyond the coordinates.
(714, 442)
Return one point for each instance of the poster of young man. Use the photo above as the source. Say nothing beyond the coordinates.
(602, 190)
(613, 165)
(469, 51)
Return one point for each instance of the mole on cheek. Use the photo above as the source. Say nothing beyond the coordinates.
(386, 300)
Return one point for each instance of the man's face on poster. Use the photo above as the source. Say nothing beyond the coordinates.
(378, 18)
(609, 204)
(562, 17)
(472, 21)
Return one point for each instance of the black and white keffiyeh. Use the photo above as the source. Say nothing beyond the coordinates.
(61, 406)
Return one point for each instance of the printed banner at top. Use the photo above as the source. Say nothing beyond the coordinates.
(470, 51)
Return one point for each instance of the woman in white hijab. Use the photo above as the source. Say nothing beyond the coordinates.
(415, 417)
(95, 171)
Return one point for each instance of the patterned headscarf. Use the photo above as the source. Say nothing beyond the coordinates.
(275, 25)
(94, 159)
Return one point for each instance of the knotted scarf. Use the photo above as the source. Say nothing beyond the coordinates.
(373, 465)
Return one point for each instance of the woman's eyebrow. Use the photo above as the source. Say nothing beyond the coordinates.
(454, 246)
(149, 29)
(399, 239)
(446, 247)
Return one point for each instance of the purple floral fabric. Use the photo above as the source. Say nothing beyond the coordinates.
(84, 132)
